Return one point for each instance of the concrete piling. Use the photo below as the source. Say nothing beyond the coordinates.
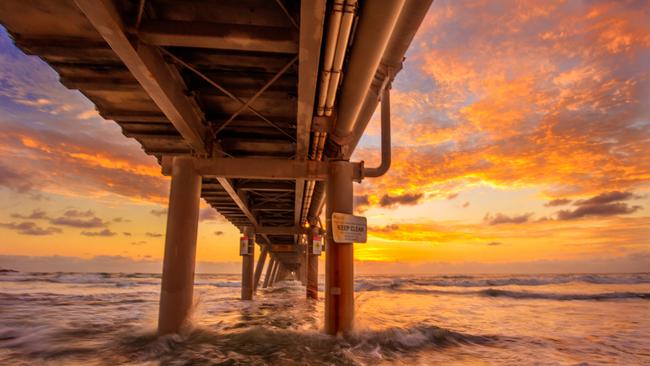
(177, 285)
(247, 270)
(312, 266)
(339, 263)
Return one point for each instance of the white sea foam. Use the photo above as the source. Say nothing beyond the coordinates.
(109, 319)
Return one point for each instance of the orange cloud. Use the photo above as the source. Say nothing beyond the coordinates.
(549, 95)
(79, 165)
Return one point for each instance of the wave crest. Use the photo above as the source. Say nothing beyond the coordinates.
(564, 297)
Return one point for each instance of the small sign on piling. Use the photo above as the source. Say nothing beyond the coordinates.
(317, 244)
(243, 245)
(349, 228)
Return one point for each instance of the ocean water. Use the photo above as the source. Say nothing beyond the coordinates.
(109, 319)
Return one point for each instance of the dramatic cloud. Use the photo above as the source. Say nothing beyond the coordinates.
(361, 203)
(35, 215)
(160, 212)
(499, 218)
(604, 204)
(364, 202)
(126, 233)
(494, 243)
(71, 218)
(607, 209)
(14, 180)
(404, 199)
(30, 228)
(607, 197)
(77, 213)
(53, 141)
(77, 219)
(361, 200)
(553, 98)
(105, 233)
(82, 169)
(153, 235)
(557, 202)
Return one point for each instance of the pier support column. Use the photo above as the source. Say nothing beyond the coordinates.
(269, 270)
(339, 261)
(301, 271)
(305, 266)
(273, 270)
(280, 273)
(247, 270)
(260, 267)
(177, 285)
(312, 266)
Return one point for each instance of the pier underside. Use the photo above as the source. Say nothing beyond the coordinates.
(255, 106)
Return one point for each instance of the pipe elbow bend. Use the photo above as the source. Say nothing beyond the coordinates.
(385, 138)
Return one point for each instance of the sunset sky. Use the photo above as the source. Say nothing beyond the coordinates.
(521, 143)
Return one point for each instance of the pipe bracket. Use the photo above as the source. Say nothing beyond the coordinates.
(322, 124)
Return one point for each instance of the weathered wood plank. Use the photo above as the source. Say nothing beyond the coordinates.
(219, 36)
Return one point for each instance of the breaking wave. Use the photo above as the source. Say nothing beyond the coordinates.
(564, 297)
(495, 287)
(99, 319)
(280, 329)
(371, 283)
(251, 345)
(491, 292)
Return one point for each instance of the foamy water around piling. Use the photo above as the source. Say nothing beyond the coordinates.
(109, 319)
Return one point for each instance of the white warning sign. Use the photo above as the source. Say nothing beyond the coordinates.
(349, 228)
(317, 244)
(243, 245)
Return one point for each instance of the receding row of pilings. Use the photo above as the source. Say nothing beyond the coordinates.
(176, 295)
(306, 273)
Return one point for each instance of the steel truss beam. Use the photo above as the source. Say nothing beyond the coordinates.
(273, 169)
(259, 168)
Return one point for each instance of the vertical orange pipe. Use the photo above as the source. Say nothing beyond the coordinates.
(339, 260)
